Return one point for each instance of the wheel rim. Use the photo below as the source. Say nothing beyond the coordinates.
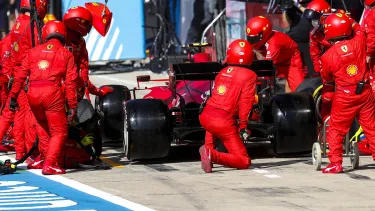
(315, 154)
(126, 136)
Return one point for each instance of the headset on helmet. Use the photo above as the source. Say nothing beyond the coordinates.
(315, 9)
(240, 52)
(337, 27)
(54, 29)
(41, 7)
(78, 19)
(258, 30)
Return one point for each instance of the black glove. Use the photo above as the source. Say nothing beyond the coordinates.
(10, 83)
(13, 105)
(72, 114)
(244, 134)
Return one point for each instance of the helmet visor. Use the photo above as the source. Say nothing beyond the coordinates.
(255, 39)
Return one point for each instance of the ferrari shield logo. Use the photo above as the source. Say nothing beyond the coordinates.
(230, 70)
(339, 15)
(49, 47)
(248, 30)
(43, 64)
(95, 4)
(344, 48)
(242, 44)
(352, 70)
(221, 89)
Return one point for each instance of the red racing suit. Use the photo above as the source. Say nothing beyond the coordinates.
(345, 63)
(23, 123)
(232, 97)
(5, 48)
(81, 58)
(47, 65)
(284, 53)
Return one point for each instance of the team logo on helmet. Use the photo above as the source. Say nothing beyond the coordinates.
(339, 15)
(352, 70)
(242, 44)
(95, 4)
(230, 70)
(43, 64)
(261, 16)
(248, 30)
(104, 21)
(221, 89)
(344, 48)
(49, 47)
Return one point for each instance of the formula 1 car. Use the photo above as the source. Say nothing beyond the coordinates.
(148, 127)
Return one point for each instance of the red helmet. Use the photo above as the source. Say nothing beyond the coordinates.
(258, 30)
(369, 3)
(240, 52)
(41, 7)
(315, 9)
(337, 26)
(54, 29)
(78, 19)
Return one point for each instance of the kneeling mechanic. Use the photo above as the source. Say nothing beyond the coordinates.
(233, 96)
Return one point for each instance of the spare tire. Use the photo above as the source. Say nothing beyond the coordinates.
(295, 123)
(111, 107)
(147, 129)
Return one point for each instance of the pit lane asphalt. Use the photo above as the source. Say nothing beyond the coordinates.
(179, 183)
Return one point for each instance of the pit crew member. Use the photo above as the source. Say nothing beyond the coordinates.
(279, 48)
(46, 66)
(78, 21)
(345, 64)
(21, 40)
(233, 96)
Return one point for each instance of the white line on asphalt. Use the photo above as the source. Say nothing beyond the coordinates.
(266, 173)
(121, 81)
(84, 188)
(94, 192)
(273, 176)
(261, 171)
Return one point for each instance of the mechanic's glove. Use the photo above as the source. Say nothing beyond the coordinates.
(87, 140)
(105, 90)
(315, 75)
(72, 114)
(10, 82)
(13, 105)
(244, 133)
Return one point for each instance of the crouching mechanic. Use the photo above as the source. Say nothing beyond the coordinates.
(233, 96)
(279, 48)
(345, 64)
(46, 66)
(78, 21)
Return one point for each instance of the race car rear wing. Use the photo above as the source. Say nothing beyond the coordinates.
(208, 71)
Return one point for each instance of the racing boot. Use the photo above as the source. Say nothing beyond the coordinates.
(52, 169)
(36, 163)
(205, 159)
(333, 168)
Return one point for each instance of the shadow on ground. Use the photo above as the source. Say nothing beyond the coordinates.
(184, 154)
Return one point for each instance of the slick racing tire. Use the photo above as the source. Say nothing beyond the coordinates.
(111, 108)
(316, 155)
(295, 123)
(147, 129)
